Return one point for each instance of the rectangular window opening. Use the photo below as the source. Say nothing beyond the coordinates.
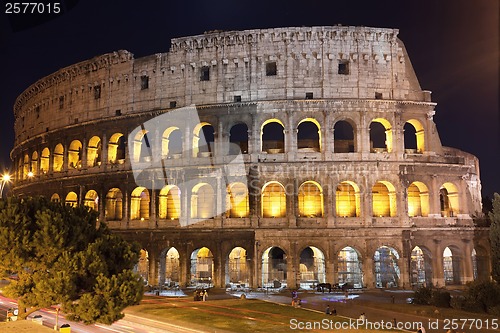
(144, 82)
(97, 92)
(118, 112)
(378, 95)
(309, 95)
(173, 104)
(237, 98)
(271, 68)
(344, 68)
(205, 73)
(61, 102)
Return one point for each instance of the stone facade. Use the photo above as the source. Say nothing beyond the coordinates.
(347, 180)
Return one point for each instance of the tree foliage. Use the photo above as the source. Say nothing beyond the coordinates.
(495, 238)
(55, 254)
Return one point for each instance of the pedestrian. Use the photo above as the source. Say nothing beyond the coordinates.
(392, 299)
(394, 323)
(362, 317)
(421, 329)
(334, 312)
(327, 311)
(299, 302)
(205, 295)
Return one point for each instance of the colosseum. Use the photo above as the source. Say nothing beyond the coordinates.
(279, 157)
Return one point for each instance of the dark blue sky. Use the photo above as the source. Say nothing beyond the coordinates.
(453, 46)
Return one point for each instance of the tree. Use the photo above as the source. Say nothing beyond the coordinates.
(59, 255)
(495, 238)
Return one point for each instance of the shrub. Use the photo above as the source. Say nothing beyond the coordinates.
(482, 296)
(441, 298)
(423, 296)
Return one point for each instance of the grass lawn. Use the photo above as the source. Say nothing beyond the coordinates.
(23, 326)
(233, 315)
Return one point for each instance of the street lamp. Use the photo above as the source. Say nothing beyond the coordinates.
(5, 179)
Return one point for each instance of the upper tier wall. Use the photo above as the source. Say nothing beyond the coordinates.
(307, 61)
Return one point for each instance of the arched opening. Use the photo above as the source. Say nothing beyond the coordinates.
(452, 266)
(58, 158)
(171, 143)
(71, 199)
(26, 166)
(114, 205)
(238, 139)
(384, 199)
(139, 204)
(347, 199)
(116, 149)
(170, 202)
(143, 150)
(349, 269)
(75, 155)
(170, 268)
(203, 140)
(344, 140)
(44, 161)
(55, 198)
(380, 136)
(202, 201)
(142, 267)
(34, 163)
(272, 135)
(480, 264)
(202, 267)
(386, 267)
(309, 136)
(418, 200)
(448, 198)
(92, 200)
(274, 269)
(94, 152)
(414, 137)
(237, 271)
(420, 267)
(312, 267)
(273, 200)
(310, 200)
(237, 200)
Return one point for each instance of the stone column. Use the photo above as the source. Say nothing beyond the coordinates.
(437, 266)
(154, 264)
(368, 272)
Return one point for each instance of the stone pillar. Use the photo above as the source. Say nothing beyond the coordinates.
(152, 207)
(437, 266)
(104, 150)
(363, 135)
(219, 267)
(154, 264)
(83, 156)
(184, 266)
(368, 272)
(468, 270)
(292, 204)
(434, 204)
(292, 266)
(126, 208)
(257, 262)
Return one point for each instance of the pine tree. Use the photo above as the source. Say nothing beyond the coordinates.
(56, 254)
(495, 238)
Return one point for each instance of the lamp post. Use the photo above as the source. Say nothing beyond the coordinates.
(5, 179)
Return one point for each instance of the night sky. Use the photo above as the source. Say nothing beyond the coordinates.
(453, 46)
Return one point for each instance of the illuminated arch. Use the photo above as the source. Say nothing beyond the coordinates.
(170, 202)
(114, 205)
(272, 136)
(26, 166)
(75, 155)
(349, 267)
(312, 267)
(273, 200)
(142, 146)
(387, 272)
(274, 267)
(203, 139)
(418, 142)
(310, 199)
(171, 142)
(380, 135)
(116, 148)
(45, 160)
(58, 158)
(384, 199)
(172, 267)
(91, 200)
(449, 200)
(142, 267)
(309, 135)
(202, 267)
(202, 201)
(94, 152)
(34, 163)
(71, 199)
(420, 267)
(347, 199)
(418, 199)
(139, 204)
(55, 198)
(237, 270)
(452, 265)
(480, 263)
(237, 204)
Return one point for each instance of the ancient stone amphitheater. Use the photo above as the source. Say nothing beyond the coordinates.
(344, 176)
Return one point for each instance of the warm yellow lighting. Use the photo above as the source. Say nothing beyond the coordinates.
(6, 178)
(30, 174)
(142, 218)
